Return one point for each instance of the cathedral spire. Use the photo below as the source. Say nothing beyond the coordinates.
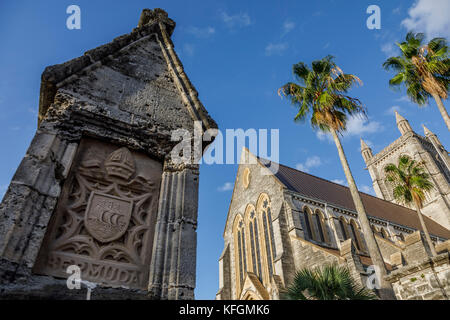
(427, 131)
(402, 124)
(366, 151)
(431, 136)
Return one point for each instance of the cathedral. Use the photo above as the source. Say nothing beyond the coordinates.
(280, 221)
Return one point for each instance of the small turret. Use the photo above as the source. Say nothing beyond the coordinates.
(366, 151)
(402, 124)
(430, 135)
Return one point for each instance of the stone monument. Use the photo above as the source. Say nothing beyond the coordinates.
(97, 188)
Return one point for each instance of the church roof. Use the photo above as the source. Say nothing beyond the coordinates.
(339, 195)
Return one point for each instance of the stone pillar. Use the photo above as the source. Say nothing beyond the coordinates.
(172, 275)
(29, 202)
(224, 292)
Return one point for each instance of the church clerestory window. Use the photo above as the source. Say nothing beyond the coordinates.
(355, 235)
(318, 221)
(241, 259)
(343, 227)
(308, 223)
(268, 236)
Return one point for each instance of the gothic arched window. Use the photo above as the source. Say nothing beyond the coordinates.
(254, 239)
(264, 209)
(343, 227)
(240, 251)
(355, 234)
(319, 224)
(308, 222)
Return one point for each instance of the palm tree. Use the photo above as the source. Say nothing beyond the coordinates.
(321, 91)
(423, 69)
(409, 183)
(330, 282)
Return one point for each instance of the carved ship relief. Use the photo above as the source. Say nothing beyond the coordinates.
(105, 219)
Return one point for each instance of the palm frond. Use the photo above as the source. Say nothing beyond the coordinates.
(408, 180)
(322, 92)
(424, 69)
(329, 282)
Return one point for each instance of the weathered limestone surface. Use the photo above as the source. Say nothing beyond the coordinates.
(131, 93)
(418, 276)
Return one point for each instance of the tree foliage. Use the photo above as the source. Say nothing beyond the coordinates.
(409, 180)
(424, 69)
(322, 92)
(329, 282)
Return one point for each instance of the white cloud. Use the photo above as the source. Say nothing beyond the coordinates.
(430, 17)
(339, 181)
(189, 49)
(396, 10)
(237, 20)
(357, 125)
(32, 111)
(324, 136)
(226, 187)
(301, 167)
(391, 110)
(201, 32)
(404, 99)
(366, 189)
(288, 26)
(276, 48)
(311, 162)
(390, 49)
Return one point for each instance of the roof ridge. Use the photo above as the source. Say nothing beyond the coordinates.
(346, 187)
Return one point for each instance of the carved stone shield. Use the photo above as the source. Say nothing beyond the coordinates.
(107, 217)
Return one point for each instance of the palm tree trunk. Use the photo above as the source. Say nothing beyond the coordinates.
(442, 109)
(425, 230)
(386, 291)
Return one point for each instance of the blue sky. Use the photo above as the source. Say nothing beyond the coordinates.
(236, 53)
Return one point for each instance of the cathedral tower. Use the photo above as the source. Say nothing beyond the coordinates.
(426, 148)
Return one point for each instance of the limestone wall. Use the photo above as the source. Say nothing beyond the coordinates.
(417, 276)
(428, 279)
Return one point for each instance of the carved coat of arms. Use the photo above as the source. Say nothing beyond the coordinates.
(105, 219)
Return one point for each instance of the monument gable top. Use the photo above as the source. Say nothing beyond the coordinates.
(154, 26)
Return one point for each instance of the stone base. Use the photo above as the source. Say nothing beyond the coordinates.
(20, 284)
